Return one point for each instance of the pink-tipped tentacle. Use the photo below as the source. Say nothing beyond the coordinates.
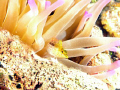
(47, 4)
(33, 7)
(82, 22)
(113, 49)
(104, 75)
(32, 27)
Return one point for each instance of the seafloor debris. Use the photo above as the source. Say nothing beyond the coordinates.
(23, 69)
(110, 18)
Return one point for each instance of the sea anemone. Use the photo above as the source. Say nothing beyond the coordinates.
(37, 22)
